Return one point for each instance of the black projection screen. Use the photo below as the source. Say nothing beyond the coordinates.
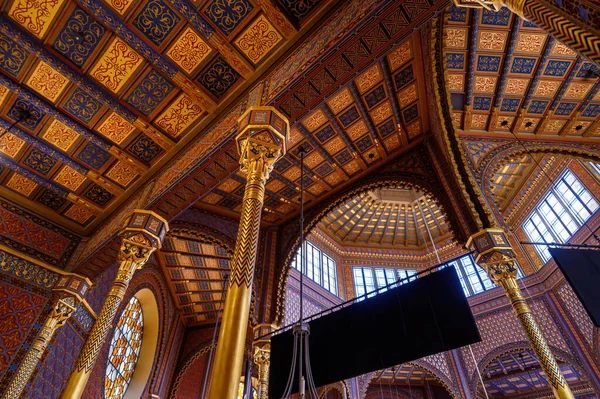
(581, 268)
(424, 317)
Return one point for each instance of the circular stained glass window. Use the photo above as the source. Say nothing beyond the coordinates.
(124, 350)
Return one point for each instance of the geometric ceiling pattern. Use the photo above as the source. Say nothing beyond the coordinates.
(513, 175)
(95, 94)
(404, 374)
(194, 271)
(388, 218)
(350, 132)
(520, 375)
(506, 76)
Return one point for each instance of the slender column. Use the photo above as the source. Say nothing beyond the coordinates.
(262, 358)
(494, 254)
(142, 234)
(580, 33)
(261, 142)
(61, 311)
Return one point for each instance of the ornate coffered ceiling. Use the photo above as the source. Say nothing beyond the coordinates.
(506, 76)
(98, 95)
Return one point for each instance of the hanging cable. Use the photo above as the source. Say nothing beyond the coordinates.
(479, 373)
(429, 232)
(214, 338)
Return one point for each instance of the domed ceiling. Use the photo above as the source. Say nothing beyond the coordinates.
(388, 218)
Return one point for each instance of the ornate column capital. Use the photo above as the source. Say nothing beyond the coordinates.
(515, 6)
(262, 139)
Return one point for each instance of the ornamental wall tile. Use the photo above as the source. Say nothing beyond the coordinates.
(82, 105)
(116, 128)
(13, 56)
(456, 82)
(578, 91)
(547, 88)
(149, 93)
(182, 113)
(456, 38)
(530, 43)
(35, 16)
(39, 162)
(491, 40)
(258, 39)
(485, 84)
(69, 178)
(189, 50)
(79, 52)
(35, 115)
(122, 173)
(21, 184)
(60, 136)
(79, 213)
(47, 81)
(117, 65)
(156, 20)
(145, 148)
(516, 86)
(400, 55)
(369, 78)
(93, 156)
(218, 77)
(10, 144)
(408, 95)
(98, 195)
(227, 15)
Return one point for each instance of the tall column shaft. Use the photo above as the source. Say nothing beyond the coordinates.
(61, 311)
(142, 234)
(262, 357)
(232, 337)
(494, 254)
(559, 385)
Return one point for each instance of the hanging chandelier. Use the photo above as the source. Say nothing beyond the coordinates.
(301, 330)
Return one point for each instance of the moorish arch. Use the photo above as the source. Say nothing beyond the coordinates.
(513, 369)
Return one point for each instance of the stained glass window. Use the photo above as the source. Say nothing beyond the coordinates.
(124, 350)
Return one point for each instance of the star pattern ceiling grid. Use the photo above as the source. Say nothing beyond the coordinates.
(353, 129)
(195, 271)
(107, 89)
(505, 75)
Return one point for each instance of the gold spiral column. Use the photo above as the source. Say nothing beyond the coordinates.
(495, 255)
(67, 294)
(142, 234)
(578, 33)
(261, 142)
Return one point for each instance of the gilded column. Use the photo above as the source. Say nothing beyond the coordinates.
(494, 254)
(142, 234)
(577, 28)
(261, 142)
(262, 357)
(67, 294)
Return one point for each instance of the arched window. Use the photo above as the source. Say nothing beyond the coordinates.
(132, 348)
(124, 350)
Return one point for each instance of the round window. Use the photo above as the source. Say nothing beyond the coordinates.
(124, 350)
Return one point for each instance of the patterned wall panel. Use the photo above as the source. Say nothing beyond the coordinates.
(578, 313)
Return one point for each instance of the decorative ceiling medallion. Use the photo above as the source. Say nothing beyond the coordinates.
(79, 213)
(529, 124)
(60, 136)
(400, 56)
(121, 173)
(258, 39)
(180, 115)
(116, 128)
(21, 184)
(35, 16)
(69, 178)
(156, 21)
(491, 40)
(504, 122)
(47, 81)
(381, 113)
(116, 65)
(479, 121)
(10, 144)
(516, 86)
(227, 15)
(4, 92)
(334, 145)
(485, 84)
(578, 128)
(561, 50)
(554, 125)
(547, 88)
(356, 130)
(578, 91)
(189, 50)
(369, 78)
(340, 101)
(314, 120)
(456, 38)
(456, 82)
(531, 43)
